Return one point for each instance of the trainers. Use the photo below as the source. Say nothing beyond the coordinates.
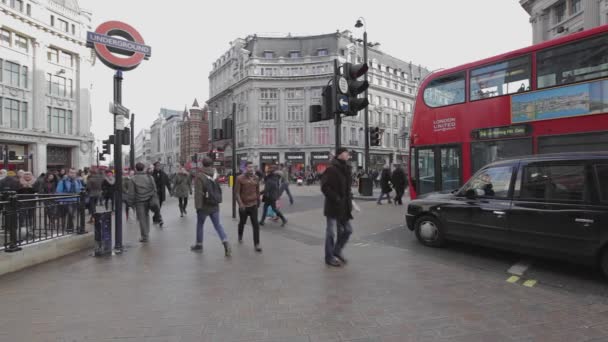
(341, 258)
(227, 249)
(196, 248)
(261, 223)
(333, 263)
(143, 240)
(258, 248)
(284, 223)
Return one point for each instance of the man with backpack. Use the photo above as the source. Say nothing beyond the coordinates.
(207, 199)
(271, 193)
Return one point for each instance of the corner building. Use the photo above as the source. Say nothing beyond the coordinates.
(45, 85)
(274, 80)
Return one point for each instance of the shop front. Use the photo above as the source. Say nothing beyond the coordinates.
(58, 157)
(295, 162)
(15, 157)
(267, 159)
(378, 161)
(320, 161)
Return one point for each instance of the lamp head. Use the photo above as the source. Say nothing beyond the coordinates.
(359, 23)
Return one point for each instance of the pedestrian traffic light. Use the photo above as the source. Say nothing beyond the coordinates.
(352, 73)
(107, 145)
(374, 136)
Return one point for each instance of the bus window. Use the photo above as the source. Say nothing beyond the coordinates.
(450, 168)
(445, 91)
(508, 77)
(426, 170)
(574, 62)
(485, 152)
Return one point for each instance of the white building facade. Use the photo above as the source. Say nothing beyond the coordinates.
(143, 147)
(45, 85)
(556, 18)
(165, 139)
(274, 80)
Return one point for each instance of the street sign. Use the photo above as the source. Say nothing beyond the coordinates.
(343, 103)
(115, 37)
(118, 109)
(120, 124)
(343, 85)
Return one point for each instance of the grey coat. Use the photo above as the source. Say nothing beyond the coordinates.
(182, 185)
(141, 188)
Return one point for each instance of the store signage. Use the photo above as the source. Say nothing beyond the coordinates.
(501, 132)
(107, 42)
(319, 156)
(298, 156)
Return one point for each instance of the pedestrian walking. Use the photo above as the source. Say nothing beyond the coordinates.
(162, 181)
(398, 180)
(72, 186)
(141, 196)
(285, 183)
(107, 188)
(335, 185)
(270, 194)
(385, 185)
(182, 188)
(95, 189)
(247, 190)
(207, 199)
(126, 180)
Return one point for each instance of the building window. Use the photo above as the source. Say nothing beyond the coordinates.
(295, 93)
(295, 136)
(295, 113)
(395, 121)
(268, 54)
(58, 86)
(394, 106)
(5, 37)
(29, 9)
(386, 102)
(63, 25)
(24, 77)
(342, 52)
(295, 54)
(323, 52)
(268, 94)
(73, 29)
(268, 136)
(21, 43)
(17, 4)
(576, 6)
(396, 140)
(52, 55)
(52, 20)
(320, 135)
(377, 102)
(15, 112)
(268, 113)
(11, 73)
(560, 12)
(66, 59)
(353, 135)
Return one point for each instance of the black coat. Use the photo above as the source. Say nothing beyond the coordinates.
(162, 181)
(336, 186)
(272, 183)
(385, 181)
(398, 179)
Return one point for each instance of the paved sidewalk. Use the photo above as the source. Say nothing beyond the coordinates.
(164, 292)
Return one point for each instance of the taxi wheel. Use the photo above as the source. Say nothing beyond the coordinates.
(429, 231)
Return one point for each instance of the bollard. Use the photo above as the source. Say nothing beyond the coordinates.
(11, 222)
(82, 212)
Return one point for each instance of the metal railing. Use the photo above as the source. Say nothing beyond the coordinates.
(32, 218)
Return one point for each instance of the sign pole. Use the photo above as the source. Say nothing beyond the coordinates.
(233, 160)
(132, 151)
(337, 117)
(118, 164)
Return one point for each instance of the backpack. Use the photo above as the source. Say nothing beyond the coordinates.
(212, 194)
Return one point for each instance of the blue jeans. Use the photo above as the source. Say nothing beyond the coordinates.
(388, 196)
(285, 188)
(215, 218)
(344, 232)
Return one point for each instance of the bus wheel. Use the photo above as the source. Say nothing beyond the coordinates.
(429, 231)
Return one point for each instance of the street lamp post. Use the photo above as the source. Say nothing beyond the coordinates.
(361, 23)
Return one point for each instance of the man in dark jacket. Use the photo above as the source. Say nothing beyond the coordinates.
(207, 205)
(336, 187)
(385, 185)
(398, 180)
(141, 190)
(247, 190)
(162, 181)
(271, 193)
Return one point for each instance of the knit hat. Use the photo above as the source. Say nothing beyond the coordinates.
(341, 150)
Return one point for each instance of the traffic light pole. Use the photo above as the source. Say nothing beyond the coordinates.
(98, 157)
(118, 166)
(337, 117)
(366, 115)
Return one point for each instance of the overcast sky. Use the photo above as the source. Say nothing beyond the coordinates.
(188, 36)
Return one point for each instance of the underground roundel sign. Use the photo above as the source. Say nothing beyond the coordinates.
(118, 45)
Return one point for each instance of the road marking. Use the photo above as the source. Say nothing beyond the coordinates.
(513, 279)
(529, 283)
(520, 268)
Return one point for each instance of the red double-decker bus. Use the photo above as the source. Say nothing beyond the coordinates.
(550, 97)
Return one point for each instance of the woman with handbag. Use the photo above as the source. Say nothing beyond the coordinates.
(182, 188)
(143, 197)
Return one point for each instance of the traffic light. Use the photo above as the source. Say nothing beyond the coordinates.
(352, 72)
(101, 157)
(126, 136)
(212, 155)
(107, 145)
(330, 100)
(227, 128)
(315, 113)
(374, 136)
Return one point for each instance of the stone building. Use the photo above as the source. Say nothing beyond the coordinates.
(194, 133)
